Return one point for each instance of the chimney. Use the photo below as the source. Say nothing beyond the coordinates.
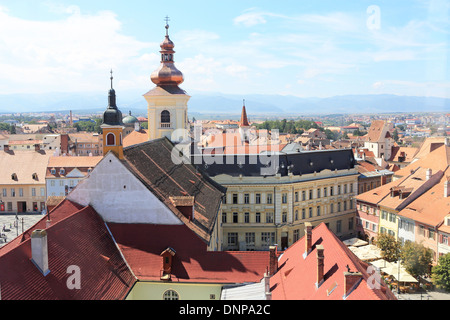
(267, 292)
(320, 265)
(39, 250)
(308, 238)
(351, 281)
(6, 147)
(429, 174)
(273, 260)
(37, 147)
(446, 189)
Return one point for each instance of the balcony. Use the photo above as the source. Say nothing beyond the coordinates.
(165, 125)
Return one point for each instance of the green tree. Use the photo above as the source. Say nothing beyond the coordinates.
(441, 273)
(395, 135)
(416, 258)
(390, 248)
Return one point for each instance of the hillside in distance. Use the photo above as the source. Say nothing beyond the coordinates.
(217, 103)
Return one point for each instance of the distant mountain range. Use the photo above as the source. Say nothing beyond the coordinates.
(221, 104)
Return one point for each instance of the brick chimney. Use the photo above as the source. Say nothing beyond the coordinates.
(351, 281)
(320, 265)
(39, 250)
(308, 238)
(273, 260)
(6, 147)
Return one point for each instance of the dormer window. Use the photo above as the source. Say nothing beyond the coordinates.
(53, 171)
(34, 176)
(14, 176)
(62, 171)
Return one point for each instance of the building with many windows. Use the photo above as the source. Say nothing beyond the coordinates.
(22, 180)
(64, 173)
(268, 203)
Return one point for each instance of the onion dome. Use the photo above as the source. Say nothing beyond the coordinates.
(112, 116)
(167, 73)
(129, 119)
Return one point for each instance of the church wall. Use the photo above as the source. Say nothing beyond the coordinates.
(119, 197)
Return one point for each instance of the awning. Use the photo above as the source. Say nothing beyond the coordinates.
(355, 242)
(404, 275)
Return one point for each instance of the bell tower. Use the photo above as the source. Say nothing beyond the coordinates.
(167, 102)
(112, 126)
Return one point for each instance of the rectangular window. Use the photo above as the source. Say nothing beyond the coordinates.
(296, 235)
(303, 195)
(9, 206)
(269, 198)
(258, 198)
(303, 213)
(258, 217)
(345, 205)
(246, 198)
(284, 217)
(232, 239)
(296, 215)
(331, 191)
(20, 192)
(250, 239)
(338, 226)
(33, 192)
(339, 207)
(318, 211)
(345, 188)
(296, 196)
(284, 198)
(269, 217)
(224, 217)
(13, 192)
(42, 192)
(332, 208)
(431, 234)
(318, 193)
(267, 238)
(350, 224)
(235, 217)
(339, 190)
(4, 192)
(52, 183)
(235, 198)
(247, 217)
(310, 194)
(310, 212)
(325, 192)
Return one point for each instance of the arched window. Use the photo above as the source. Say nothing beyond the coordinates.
(110, 139)
(165, 116)
(171, 295)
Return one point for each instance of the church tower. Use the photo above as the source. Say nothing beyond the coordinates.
(244, 126)
(167, 102)
(112, 126)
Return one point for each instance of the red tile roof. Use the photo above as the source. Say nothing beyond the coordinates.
(82, 240)
(296, 277)
(191, 263)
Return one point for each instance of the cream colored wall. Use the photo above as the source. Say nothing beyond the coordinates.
(176, 105)
(385, 223)
(289, 185)
(144, 290)
(27, 196)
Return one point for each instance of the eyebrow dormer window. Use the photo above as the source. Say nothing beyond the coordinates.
(14, 176)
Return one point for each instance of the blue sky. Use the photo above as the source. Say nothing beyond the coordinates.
(294, 47)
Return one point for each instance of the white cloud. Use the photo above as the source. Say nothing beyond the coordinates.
(69, 54)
